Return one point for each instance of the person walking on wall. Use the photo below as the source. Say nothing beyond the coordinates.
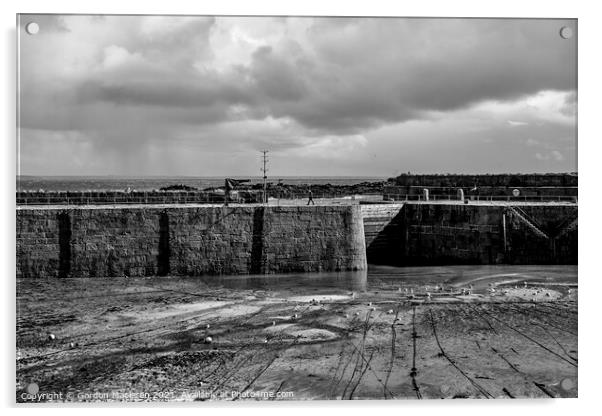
(311, 198)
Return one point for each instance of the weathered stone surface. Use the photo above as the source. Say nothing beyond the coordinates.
(188, 240)
(443, 234)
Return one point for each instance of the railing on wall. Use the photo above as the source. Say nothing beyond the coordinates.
(138, 197)
(485, 198)
(182, 197)
(253, 197)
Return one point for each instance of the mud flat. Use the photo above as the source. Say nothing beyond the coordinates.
(394, 333)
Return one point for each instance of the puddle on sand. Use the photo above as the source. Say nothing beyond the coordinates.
(303, 287)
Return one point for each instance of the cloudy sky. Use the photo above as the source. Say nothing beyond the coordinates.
(201, 96)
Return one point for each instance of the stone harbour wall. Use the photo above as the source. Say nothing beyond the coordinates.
(495, 180)
(187, 240)
(445, 234)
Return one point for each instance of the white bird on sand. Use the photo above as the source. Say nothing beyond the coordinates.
(390, 311)
(51, 336)
(208, 340)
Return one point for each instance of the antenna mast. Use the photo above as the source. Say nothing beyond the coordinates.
(265, 177)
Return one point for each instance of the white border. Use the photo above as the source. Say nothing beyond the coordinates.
(590, 155)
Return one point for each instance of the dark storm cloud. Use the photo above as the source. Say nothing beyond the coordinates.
(347, 74)
(277, 77)
(167, 93)
(128, 81)
(369, 71)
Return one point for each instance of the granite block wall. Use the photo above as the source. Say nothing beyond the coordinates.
(444, 234)
(187, 241)
(38, 243)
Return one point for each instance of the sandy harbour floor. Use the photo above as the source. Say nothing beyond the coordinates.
(413, 333)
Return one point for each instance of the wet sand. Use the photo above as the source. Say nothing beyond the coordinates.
(391, 333)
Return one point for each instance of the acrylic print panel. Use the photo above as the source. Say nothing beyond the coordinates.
(292, 208)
